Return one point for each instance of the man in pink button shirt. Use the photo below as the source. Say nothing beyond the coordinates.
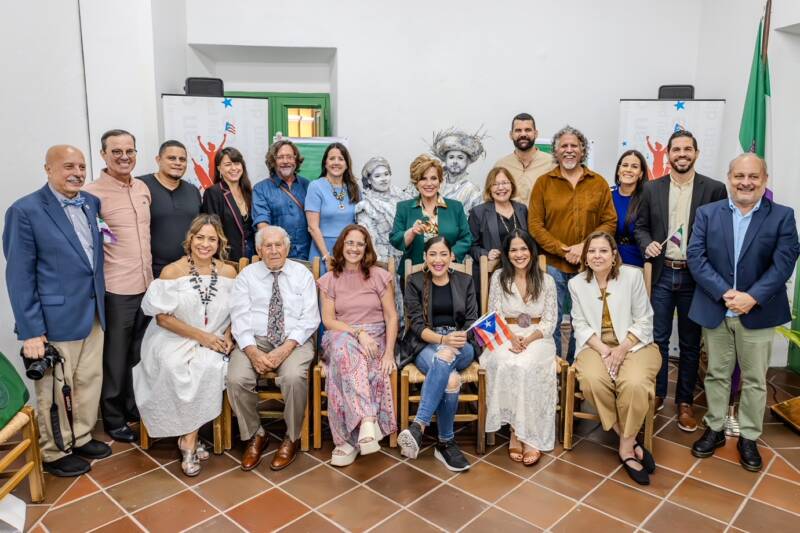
(125, 209)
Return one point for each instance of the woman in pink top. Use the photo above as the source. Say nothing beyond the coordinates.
(361, 326)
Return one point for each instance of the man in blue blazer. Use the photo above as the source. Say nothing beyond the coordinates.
(54, 275)
(741, 253)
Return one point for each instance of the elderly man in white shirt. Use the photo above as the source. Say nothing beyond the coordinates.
(273, 332)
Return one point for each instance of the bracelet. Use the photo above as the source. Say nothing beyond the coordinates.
(631, 337)
(357, 332)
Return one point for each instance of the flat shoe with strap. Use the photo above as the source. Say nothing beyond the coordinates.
(647, 461)
(639, 476)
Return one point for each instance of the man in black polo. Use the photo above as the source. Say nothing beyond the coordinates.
(174, 205)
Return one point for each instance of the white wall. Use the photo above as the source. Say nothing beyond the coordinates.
(404, 70)
(44, 103)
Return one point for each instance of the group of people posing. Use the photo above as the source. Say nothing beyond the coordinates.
(81, 262)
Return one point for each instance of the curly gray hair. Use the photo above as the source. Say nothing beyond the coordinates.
(369, 168)
(569, 130)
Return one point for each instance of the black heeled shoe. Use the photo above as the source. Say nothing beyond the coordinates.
(647, 461)
(639, 476)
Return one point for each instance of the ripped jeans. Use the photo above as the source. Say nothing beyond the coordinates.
(440, 390)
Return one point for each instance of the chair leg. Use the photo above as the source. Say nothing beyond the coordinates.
(490, 440)
(317, 395)
(403, 400)
(562, 381)
(144, 437)
(481, 447)
(219, 433)
(33, 454)
(227, 421)
(568, 409)
(304, 437)
(648, 425)
(393, 435)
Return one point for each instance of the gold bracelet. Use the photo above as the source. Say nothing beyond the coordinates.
(631, 337)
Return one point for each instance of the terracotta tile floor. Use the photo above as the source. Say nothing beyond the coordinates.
(583, 489)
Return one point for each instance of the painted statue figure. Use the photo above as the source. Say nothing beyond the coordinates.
(457, 150)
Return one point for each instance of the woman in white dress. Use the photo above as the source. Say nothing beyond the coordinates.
(521, 376)
(179, 381)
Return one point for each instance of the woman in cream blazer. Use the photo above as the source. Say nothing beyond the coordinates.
(617, 361)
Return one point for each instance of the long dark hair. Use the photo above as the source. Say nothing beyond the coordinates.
(337, 255)
(244, 182)
(636, 197)
(533, 277)
(428, 277)
(349, 180)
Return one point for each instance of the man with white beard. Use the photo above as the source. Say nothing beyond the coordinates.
(280, 199)
(567, 204)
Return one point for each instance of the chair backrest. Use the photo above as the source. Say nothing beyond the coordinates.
(465, 267)
(487, 268)
(313, 265)
(390, 266)
(238, 266)
(648, 277)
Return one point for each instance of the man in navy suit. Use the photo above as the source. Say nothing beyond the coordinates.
(742, 252)
(54, 275)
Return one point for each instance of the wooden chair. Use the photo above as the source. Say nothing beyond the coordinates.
(571, 396)
(269, 390)
(318, 391)
(220, 423)
(487, 268)
(25, 422)
(411, 375)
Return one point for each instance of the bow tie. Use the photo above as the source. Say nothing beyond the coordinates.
(77, 202)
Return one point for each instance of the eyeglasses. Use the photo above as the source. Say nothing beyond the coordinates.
(498, 184)
(116, 152)
(355, 244)
(285, 158)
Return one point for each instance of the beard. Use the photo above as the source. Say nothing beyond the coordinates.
(524, 144)
(285, 172)
(677, 166)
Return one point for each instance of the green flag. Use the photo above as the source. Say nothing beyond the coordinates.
(753, 130)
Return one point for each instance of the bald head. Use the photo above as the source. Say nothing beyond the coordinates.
(66, 169)
(747, 181)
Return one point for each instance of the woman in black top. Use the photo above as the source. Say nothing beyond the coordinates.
(230, 198)
(494, 219)
(440, 306)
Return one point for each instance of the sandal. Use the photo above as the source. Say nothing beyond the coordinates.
(639, 476)
(202, 451)
(531, 457)
(367, 441)
(343, 455)
(515, 453)
(189, 462)
(647, 460)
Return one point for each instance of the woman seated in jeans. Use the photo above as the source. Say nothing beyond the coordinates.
(440, 305)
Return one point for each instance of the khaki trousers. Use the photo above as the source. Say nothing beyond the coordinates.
(727, 343)
(625, 401)
(292, 380)
(83, 369)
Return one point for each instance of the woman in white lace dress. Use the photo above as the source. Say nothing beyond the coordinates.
(521, 377)
(179, 381)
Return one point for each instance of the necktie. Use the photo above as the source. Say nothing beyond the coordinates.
(78, 201)
(275, 325)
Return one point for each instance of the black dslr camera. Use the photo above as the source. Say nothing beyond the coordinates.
(36, 368)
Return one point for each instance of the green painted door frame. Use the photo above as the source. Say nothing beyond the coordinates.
(280, 102)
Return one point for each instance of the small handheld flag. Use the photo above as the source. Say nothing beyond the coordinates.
(676, 238)
(230, 128)
(491, 331)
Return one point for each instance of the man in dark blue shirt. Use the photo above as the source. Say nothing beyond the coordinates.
(280, 199)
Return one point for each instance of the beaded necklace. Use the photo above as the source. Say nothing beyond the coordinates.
(207, 294)
(338, 194)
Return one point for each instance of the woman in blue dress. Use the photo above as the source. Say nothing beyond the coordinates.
(330, 202)
(629, 178)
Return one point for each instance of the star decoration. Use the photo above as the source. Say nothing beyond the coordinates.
(227, 102)
(680, 104)
(624, 143)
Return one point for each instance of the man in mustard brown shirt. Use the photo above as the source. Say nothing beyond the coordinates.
(567, 204)
(125, 224)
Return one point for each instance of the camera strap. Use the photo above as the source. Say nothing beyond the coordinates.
(66, 392)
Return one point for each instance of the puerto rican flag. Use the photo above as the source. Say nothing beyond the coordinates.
(491, 331)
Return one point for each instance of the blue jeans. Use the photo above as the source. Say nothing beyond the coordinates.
(562, 295)
(674, 289)
(435, 398)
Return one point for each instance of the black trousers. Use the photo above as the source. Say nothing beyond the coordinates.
(125, 327)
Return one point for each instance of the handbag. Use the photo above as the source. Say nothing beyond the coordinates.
(13, 392)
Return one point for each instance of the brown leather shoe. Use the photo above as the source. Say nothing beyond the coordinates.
(285, 454)
(252, 453)
(686, 419)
